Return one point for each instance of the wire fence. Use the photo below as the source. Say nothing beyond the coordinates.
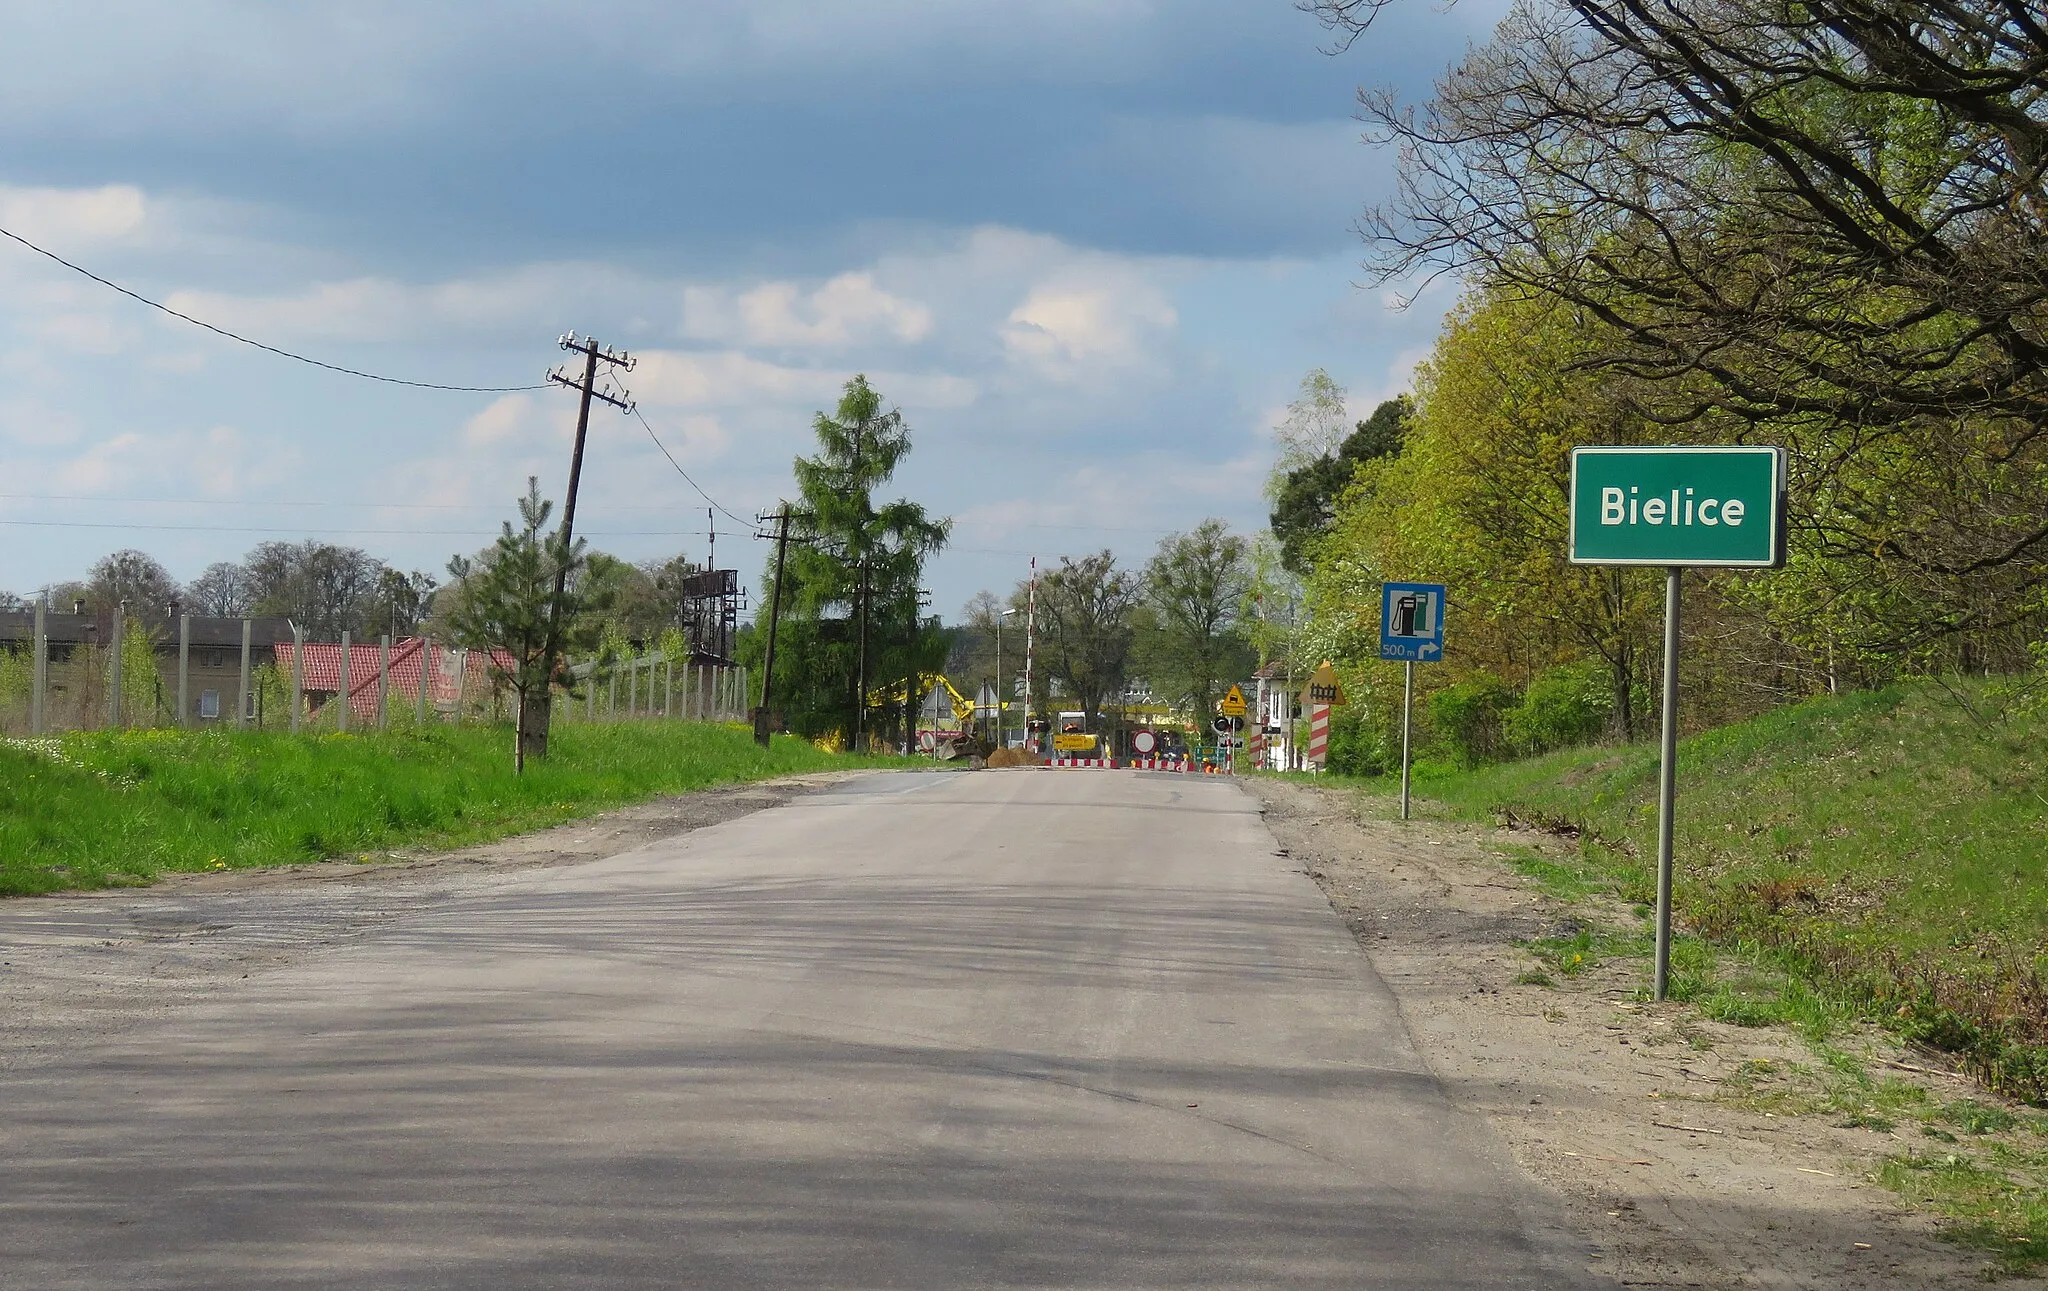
(132, 674)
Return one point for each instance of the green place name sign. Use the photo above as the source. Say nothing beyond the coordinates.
(1678, 506)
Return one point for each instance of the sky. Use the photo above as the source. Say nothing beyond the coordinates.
(1088, 247)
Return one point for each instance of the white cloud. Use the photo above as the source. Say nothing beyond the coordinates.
(729, 378)
(513, 418)
(1067, 324)
(847, 309)
(74, 216)
(216, 462)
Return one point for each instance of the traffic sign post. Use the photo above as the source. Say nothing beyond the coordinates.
(1411, 630)
(1232, 704)
(1322, 693)
(1716, 508)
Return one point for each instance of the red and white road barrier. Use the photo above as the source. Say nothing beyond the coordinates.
(1318, 734)
(1082, 762)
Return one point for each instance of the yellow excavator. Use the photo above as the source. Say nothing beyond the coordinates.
(941, 733)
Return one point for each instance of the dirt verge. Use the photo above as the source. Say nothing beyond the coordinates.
(1634, 1114)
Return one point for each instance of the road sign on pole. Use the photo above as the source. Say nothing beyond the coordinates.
(1412, 621)
(1411, 630)
(1714, 507)
(1323, 688)
(1232, 704)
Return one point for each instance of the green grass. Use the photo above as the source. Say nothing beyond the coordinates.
(1883, 853)
(114, 808)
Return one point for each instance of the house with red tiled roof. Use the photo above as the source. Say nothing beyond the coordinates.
(452, 676)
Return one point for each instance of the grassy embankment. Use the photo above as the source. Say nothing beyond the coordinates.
(1875, 857)
(116, 808)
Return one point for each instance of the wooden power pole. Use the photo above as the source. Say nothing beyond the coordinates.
(761, 714)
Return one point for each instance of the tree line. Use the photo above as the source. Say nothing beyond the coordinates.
(1177, 631)
(1823, 226)
(328, 589)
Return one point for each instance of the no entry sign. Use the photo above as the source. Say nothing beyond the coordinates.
(1678, 507)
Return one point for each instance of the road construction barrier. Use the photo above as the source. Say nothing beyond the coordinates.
(1082, 762)
(1156, 764)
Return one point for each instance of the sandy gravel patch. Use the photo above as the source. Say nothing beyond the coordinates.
(1624, 1109)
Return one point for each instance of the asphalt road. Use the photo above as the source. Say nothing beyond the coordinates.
(1024, 1028)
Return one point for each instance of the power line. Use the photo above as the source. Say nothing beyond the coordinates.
(679, 468)
(296, 529)
(235, 336)
(295, 503)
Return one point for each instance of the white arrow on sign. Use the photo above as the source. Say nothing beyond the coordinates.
(1429, 648)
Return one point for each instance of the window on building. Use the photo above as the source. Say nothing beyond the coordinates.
(209, 704)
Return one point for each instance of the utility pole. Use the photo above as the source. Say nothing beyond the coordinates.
(535, 710)
(761, 718)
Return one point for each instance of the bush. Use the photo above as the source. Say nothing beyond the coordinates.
(1357, 746)
(1564, 706)
(1469, 718)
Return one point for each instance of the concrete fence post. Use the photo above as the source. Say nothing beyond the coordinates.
(384, 681)
(668, 687)
(341, 714)
(298, 675)
(39, 670)
(242, 690)
(184, 670)
(120, 646)
(426, 679)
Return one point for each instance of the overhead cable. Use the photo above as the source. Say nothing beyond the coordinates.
(679, 467)
(236, 336)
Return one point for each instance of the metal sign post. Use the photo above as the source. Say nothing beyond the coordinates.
(1411, 630)
(1407, 726)
(1676, 507)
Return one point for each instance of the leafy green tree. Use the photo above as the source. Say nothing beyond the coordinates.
(508, 604)
(851, 620)
(1195, 646)
(1306, 500)
(1084, 630)
(1820, 225)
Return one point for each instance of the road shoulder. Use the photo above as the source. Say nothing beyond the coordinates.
(1623, 1109)
(79, 966)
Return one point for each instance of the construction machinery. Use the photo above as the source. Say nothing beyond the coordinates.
(945, 717)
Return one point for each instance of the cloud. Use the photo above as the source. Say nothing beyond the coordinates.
(1061, 326)
(216, 462)
(730, 378)
(74, 216)
(847, 309)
